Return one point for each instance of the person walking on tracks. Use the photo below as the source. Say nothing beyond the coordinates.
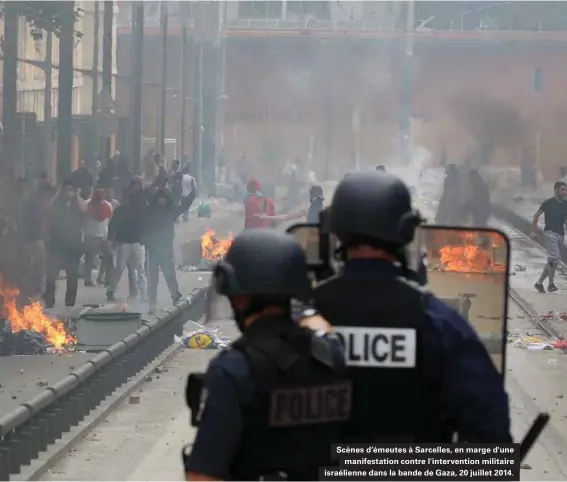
(554, 210)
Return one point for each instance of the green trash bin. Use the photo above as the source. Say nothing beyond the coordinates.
(99, 328)
(204, 210)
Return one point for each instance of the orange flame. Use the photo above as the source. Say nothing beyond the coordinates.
(31, 317)
(470, 253)
(213, 248)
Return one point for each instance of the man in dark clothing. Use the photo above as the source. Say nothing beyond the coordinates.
(175, 179)
(446, 211)
(65, 243)
(554, 210)
(140, 195)
(158, 238)
(125, 235)
(479, 203)
(108, 173)
(161, 178)
(32, 246)
(82, 179)
(123, 172)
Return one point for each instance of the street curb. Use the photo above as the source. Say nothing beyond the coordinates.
(62, 447)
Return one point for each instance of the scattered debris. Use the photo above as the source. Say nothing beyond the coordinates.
(134, 399)
(525, 467)
(532, 343)
(148, 379)
(42, 383)
(24, 342)
(553, 315)
(519, 267)
(203, 339)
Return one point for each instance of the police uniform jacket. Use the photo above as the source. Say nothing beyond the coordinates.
(275, 402)
(415, 363)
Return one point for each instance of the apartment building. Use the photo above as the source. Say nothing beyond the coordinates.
(31, 78)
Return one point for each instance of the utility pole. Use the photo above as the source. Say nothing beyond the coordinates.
(182, 84)
(96, 53)
(107, 107)
(65, 91)
(164, 20)
(406, 101)
(209, 20)
(47, 95)
(137, 79)
(197, 97)
(9, 90)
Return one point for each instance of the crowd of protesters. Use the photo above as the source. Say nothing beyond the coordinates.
(97, 228)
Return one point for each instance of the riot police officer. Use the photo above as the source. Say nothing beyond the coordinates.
(419, 371)
(275, 401)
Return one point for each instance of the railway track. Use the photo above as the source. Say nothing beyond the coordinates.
(518, 229)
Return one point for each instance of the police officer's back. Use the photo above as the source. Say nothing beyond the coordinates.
(277, 399)
(414, 362)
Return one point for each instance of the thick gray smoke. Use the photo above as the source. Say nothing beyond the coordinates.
(490, 122)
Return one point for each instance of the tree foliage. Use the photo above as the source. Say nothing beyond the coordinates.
(45, 16)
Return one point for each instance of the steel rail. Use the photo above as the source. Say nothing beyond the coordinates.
(36, 424)
(524, 226)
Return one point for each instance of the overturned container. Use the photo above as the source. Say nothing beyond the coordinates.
(99, 328)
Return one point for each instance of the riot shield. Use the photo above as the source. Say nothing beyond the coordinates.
(308, 236)
(468, 269)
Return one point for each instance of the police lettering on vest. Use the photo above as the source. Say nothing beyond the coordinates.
(318, 404)
(378, 347)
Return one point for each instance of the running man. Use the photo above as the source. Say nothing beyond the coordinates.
(554, 210)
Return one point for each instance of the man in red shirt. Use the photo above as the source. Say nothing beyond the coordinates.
(257, 204)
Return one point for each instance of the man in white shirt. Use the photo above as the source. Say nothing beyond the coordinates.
(95, 230)
(188, 186)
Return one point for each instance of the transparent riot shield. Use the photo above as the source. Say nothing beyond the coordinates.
(468, 269)
(217, 306)
(308, 236)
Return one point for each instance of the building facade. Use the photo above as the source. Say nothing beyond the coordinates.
(31, 78)
(309, 80)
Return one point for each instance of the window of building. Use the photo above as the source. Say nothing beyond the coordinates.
(319, 10)
(260, 9)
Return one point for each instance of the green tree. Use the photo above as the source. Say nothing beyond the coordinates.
(42, 16)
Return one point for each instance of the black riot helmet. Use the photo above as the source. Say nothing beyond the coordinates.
(373, 208)
(267, 266)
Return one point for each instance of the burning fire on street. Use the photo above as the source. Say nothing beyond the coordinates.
(469, 252)
(32, 318)
(214, 248)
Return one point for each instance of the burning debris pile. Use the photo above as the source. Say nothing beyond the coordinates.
(466, 252)
(29, 331)
(213, 248)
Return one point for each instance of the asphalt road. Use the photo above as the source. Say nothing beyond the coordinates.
(21, 377)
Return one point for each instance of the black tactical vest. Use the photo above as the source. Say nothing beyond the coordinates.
(301, 401)
(383, 325)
